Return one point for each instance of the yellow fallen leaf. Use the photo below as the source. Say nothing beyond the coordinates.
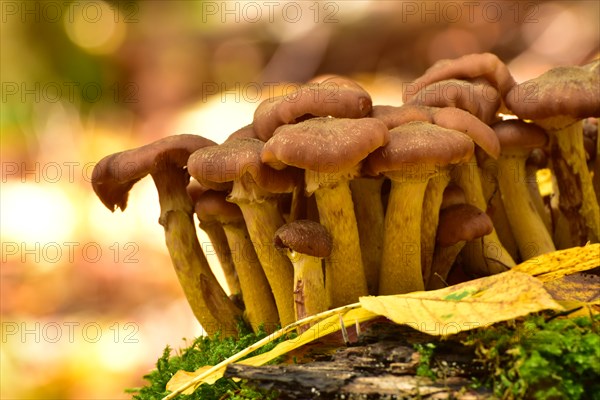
(181, 377)
(552, 266)
(187, 383)
(323, 328)
(465, 306)
(446, 311)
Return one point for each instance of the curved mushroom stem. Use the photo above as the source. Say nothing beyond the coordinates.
(534, 192)
(310, 297)
(256, 292)
(216, 235)
(368, 208)
(209, 302)
(430, 217)
(345, 278)
(530, 232)
(262, 220)
(577, 198)
(443, 258)
(488, 170)
(401, 263)
(486, 256)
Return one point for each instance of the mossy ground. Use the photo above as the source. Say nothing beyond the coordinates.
(204, 351)
(538, 357)
(541, 356)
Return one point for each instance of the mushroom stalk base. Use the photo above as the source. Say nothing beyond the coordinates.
(401, 264)
(534, 192)
(430, 218)
(262, 220)
(214, 231)
(256, 292)
(310, 297)
(486, 256)
(345, 278)
(368, 208)
(488, 171)
(533, 239)
(209, 302)
(577, 199)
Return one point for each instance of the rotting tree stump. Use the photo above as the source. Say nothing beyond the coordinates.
(381, 364)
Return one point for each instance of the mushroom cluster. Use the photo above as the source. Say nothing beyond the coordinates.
(324, 197)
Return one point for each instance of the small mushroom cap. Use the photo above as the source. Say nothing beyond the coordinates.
(236, 160)
(470, 125)
(305, 237)
(393, 116)
(213, 206)
(478, 98)
(336, 96)
(453, 194)
(520, 135)
(243, 133)
(559, 92)
(446, 117)
(420, 143)
(537, 158)
(325, 144)
(471, 66)
(462, 222)
(114, 175)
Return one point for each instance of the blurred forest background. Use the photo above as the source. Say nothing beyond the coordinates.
(89, 299)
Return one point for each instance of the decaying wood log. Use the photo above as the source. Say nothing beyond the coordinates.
(381, 365)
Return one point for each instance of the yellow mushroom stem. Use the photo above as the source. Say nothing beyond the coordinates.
(488, 170)
(256, 292)
(345, 278)
(368, 208)
(430, 217)
(401, 263)
(577, 198)
(218, 240)
(310, 297)
(534, 192)
(209, 302)
(527, 226)
(487, 256)
(262, 220)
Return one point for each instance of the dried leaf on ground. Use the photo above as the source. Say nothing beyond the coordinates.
(552, 266)
(467, 305)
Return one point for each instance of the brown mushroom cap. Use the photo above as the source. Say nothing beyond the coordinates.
(515, 134)
(562, 91)
(453, 194)
(212, 205)
(243, 133)
(325, 144)
(446, 117)
(305, 237)
(336, 96)
(537, 158)
(470, 66)
(462, 121)
(420, 143)
(392, 116)
(114, 175)
(478, 98)
(462, 222)
(236, 160)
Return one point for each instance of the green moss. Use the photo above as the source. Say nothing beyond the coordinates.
(540, 357)
(204, 351)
